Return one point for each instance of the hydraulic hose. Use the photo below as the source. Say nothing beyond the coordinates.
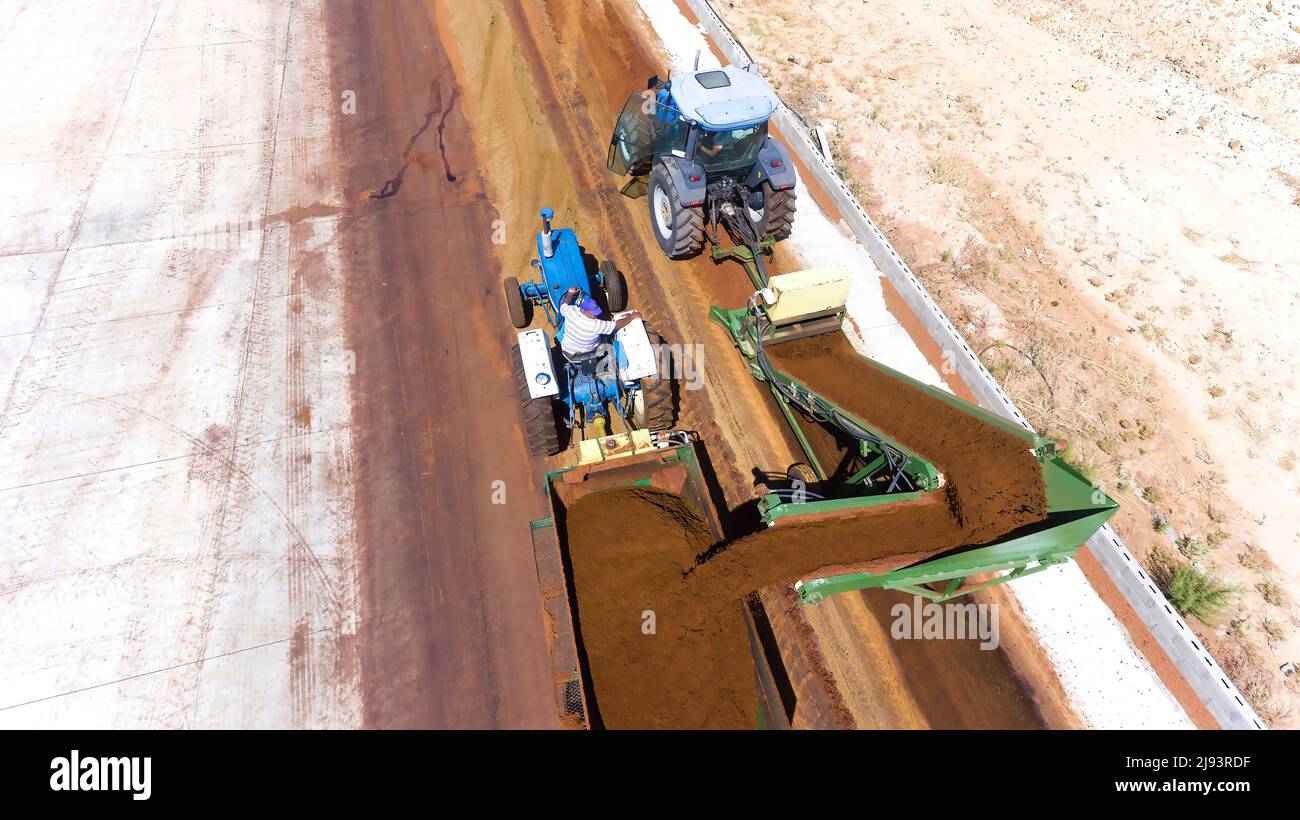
(741, 229)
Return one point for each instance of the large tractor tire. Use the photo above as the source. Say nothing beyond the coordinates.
(615, 286)
(776, 217)
(801, 472)
(678, 229)
(541, 426)
(521, 313)
(654, 407)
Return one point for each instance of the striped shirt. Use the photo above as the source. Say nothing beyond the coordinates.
(581, 332)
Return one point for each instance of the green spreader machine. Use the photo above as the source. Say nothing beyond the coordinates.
(863, 468)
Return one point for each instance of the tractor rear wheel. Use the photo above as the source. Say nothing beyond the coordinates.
(615, 286)
(678, 228)
(654, 406)
(541, 427)
(521, 314)
(776, 217)
(801, 472)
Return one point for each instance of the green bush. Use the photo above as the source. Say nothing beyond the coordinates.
(1153, 495)
(1197, 593)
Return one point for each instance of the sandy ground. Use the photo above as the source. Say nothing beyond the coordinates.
(1111, 188)
(175, 443)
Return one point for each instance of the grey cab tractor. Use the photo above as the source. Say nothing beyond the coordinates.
(698, 148)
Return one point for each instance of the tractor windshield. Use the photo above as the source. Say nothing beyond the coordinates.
(730, 150)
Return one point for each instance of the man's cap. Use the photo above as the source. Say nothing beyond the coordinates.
(589, 305)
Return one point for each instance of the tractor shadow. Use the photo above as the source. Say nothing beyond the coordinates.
(736, 522)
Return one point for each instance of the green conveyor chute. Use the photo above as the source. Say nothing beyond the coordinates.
(1075, 508)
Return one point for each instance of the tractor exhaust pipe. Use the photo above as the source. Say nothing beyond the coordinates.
(548, 249)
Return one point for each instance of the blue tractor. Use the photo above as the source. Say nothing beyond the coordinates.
(624, 376)
(698, 147)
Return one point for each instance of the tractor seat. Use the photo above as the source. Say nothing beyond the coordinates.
(586, 361)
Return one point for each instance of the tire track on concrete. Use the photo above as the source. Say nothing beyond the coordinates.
(254, 368)
(223, 454)
(297, 415)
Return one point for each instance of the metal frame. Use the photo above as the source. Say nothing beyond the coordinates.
(754, 264)
(535, 292)
(1076, 510)
(911, 579)
(881, 453)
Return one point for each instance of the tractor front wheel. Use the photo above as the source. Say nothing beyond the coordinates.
(776, 216)
(615, 286)
(678, 228)
(654, 407)
(519, 310)
(541, 426)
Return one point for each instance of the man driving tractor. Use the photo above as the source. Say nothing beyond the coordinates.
(583, 327)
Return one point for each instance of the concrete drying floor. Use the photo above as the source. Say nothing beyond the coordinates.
(175, 439)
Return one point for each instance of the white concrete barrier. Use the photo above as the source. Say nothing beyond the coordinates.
(1204, 675)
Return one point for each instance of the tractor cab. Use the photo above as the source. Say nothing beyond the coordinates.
(716, 118)
(698, 146)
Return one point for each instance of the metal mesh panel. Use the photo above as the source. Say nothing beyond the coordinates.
(571, 699)
(563, 651)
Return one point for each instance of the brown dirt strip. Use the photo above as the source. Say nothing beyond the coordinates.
(451, 632)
